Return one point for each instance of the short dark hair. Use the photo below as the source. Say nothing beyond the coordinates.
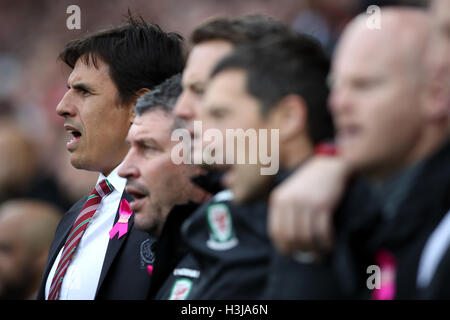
(237, 30)
(288, 63)
(139, 55)
(163, 96)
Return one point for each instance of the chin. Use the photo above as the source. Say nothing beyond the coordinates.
(76, 162)
(141, 224)
(84, 164)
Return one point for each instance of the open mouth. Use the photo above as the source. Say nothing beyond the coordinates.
(75, 134)
(139, 195)
(75, 137)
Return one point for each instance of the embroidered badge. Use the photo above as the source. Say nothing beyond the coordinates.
(147, 253)
(180, 289)
(221, 228)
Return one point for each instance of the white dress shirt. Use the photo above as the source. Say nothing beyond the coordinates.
(82, 276)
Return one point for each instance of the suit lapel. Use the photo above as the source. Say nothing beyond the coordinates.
(66, 226)
(114, 244)
(60, 238)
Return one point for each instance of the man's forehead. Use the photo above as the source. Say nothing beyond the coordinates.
(83, 71)
(361, 52)
(151, 123)
(402, 38)
(203, 58)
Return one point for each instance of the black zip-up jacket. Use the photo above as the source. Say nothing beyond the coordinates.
(228, 252)
(236, 259)
(231, 248)
(169, 249)
(173, 261)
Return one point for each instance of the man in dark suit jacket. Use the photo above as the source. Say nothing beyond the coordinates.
(110, 69)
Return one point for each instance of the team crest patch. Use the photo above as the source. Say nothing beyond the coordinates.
(221, 235)
(147, 254)
(180, 289)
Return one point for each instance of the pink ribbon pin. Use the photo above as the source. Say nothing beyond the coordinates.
(121, 226)
(150, 269)
(388, 266)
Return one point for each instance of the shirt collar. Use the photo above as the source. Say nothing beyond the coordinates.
(114, 179)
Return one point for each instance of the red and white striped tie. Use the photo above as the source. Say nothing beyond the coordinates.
(90, 207)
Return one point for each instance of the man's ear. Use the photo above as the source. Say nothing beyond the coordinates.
(289, 116)
(141, 92)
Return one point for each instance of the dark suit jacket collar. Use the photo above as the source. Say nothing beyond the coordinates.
(62, 232)
(114, 244)
(362, 225)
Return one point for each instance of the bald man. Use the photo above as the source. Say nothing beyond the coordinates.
(311, 195)
(26, 231)
(397, 146)
(376, 101)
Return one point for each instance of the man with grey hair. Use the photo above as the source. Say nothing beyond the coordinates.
(163, 194)
(153, 180)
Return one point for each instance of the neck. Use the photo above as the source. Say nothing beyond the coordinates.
(427, 144)
(107, 171)
(121, 154)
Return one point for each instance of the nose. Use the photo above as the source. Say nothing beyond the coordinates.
(185, 106)
(339, 100)
(129, 168)
(66, 107)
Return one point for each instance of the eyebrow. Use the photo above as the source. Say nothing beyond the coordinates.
(146, 141)
(196, 84)
(219, 106)
(82, 86)
(193, 84)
